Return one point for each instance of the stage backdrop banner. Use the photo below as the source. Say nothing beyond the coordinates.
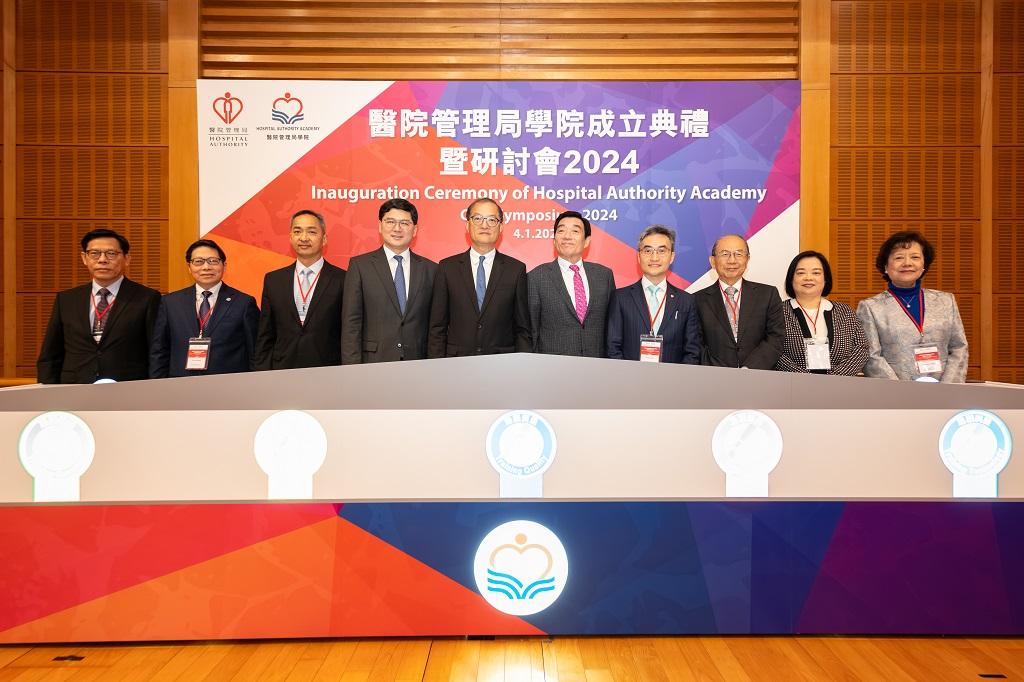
(706, 158)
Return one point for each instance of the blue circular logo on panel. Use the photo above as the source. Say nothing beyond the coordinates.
(521, 443)
(975, 443)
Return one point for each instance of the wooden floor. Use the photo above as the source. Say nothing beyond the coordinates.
(565, 659)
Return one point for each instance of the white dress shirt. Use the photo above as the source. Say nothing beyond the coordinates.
(300, 307)
(474, 263)
(406, 266)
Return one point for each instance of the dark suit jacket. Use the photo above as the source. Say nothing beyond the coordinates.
(69, 355)
(761, 329)
(629, 317)
(374, 329)
(285, 343)
(556, 329)
(231, 328)
(458, 327)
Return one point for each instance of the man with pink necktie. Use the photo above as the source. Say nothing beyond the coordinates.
(568, 298)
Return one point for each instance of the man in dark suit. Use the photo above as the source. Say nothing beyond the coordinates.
(300, 314)
(568, 298)
(652, 320)
(206, 328)
(100, 330)
(479, 305)
(386, 312)
(742, 321)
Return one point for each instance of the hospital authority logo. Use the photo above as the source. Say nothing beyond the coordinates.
(521, 568)
(228, 108)
(287, 109)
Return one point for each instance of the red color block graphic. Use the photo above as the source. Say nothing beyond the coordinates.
(53, 557)
(383, 591)
(330, 578)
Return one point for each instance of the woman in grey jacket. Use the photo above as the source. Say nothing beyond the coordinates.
(913, 333)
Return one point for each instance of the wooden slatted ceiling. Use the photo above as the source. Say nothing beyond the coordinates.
(499, 39)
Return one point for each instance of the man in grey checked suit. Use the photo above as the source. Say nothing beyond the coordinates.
(568, 298)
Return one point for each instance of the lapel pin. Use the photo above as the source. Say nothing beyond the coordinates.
(228, 299)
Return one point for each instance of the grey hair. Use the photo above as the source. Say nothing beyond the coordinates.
(714, 247)
(657, 229)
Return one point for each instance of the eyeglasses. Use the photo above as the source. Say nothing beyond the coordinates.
(200, 262)
(727, 255)
(650, 251)
(391, 222)
(488, 220)
(94, 254)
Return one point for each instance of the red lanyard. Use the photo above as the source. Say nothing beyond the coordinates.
(920, 303)
(733, 307)
(96, 311)
(304, 295)
(658, 312)
(204, 319)
(814, 322)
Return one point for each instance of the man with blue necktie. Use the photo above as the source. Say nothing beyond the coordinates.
(652, 320)
(207, 328)
(479, 305)
(386, 306)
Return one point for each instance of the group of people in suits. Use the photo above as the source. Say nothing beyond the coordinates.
(392, 304)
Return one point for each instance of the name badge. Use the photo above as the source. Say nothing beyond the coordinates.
(198, 356)
(927, 359)
(818, 354)
(650, 348)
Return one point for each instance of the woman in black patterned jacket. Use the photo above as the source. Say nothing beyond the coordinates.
(822, 336)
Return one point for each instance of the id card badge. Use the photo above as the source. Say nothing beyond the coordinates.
(927, 359)
(650, 348)
(198, 356)
(818, 355)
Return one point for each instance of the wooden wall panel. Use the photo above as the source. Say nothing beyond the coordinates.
(905, 183)
(910, 109)
(92, 182)
(95, 109)
(898, 36)
(1007, 191)
(500, 39)
(92, 35)
(92, 135)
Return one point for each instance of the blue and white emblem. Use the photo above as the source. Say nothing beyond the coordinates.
(975, 445)
(521, 443)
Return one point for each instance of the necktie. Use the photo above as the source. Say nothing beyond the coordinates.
(100, 319)
(481, 284)
(652, 303)
(581, 293)
(307, 275)
(204, 310)
(400, 284)
(734, 313)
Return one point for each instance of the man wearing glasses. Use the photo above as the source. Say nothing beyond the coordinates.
(742, 321)
(479, 305)
(652, 320)
(300, 313)
(386, 308)
(100, 330)
(206, 328)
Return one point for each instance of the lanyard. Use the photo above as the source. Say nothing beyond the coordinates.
(304, 295)
(658, 311)
(98, 316)
(204, 319)
(733, 307)
(920, 302)
(814, 322)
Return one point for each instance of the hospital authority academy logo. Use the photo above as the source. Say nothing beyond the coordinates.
(287, 109)
(521, 568)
